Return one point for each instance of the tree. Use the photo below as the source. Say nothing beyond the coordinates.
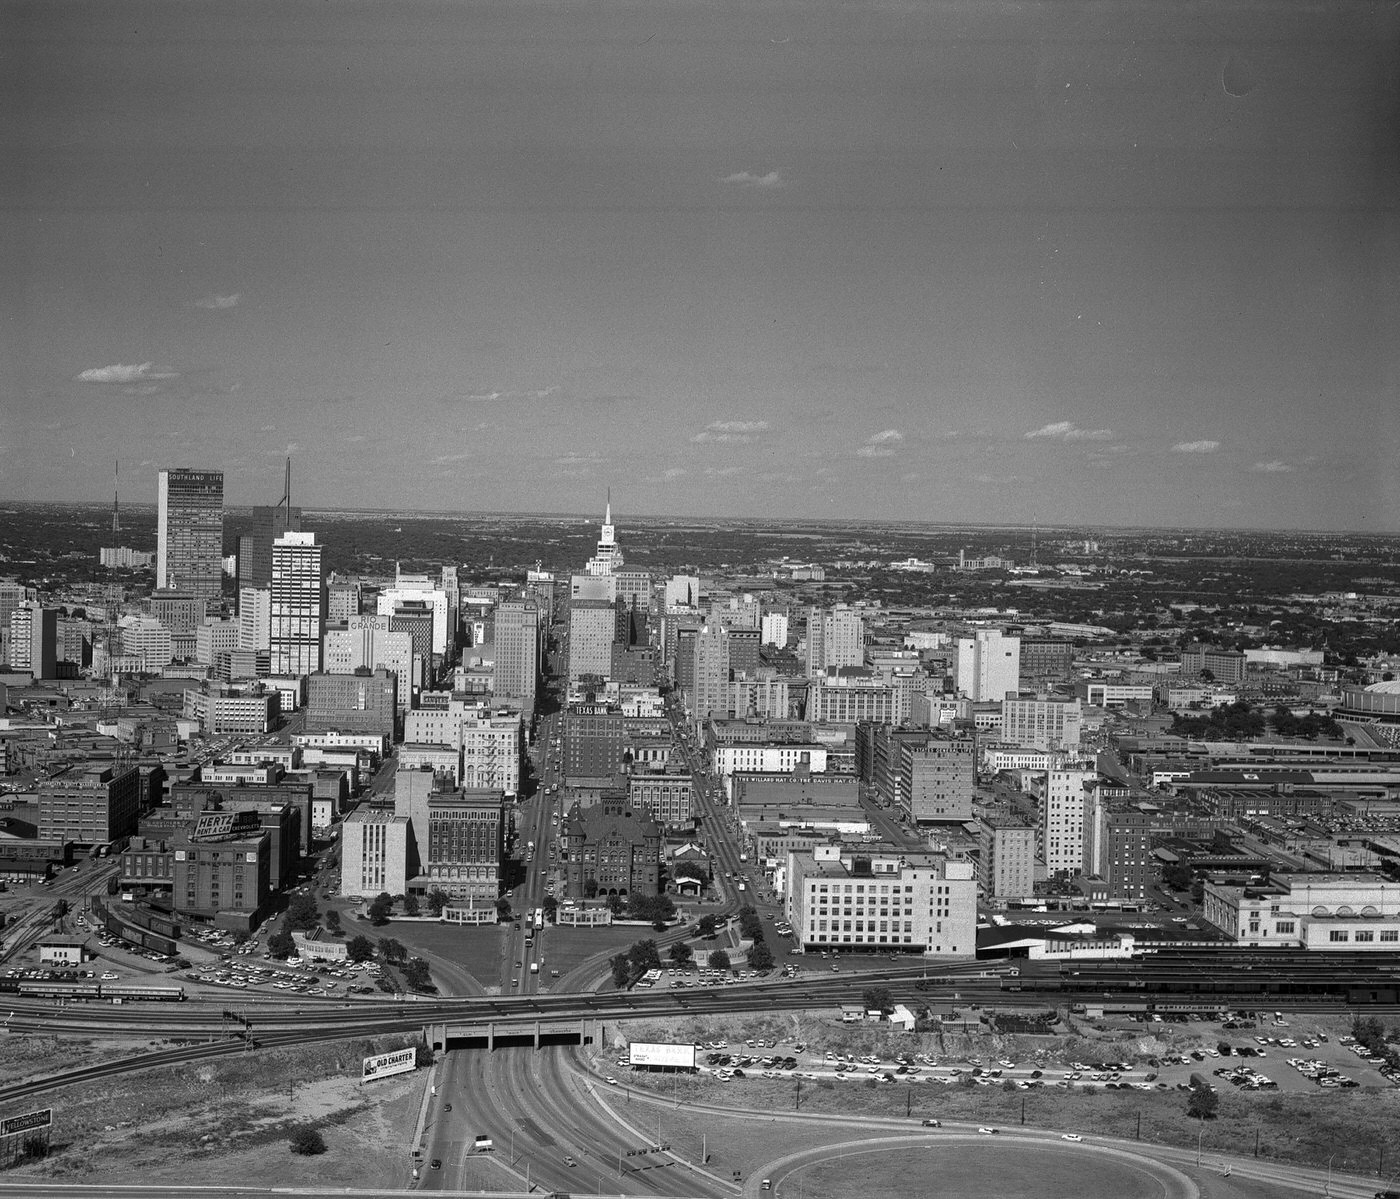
(615, 904)
(1369, 1033)
(681, 952)
(379, 909)
(877, 999)
(280, 944)
(1202, 1103)
(308, 1141)
(706, 927)
(411, 906)
(437, 900)
(333, 920)
(1177, 876)
(361, 948)
(718, 960)
(417, 975)
(302, 912)
(590, 888)
(551, 908)
(621, 966)
(392, 950)
(760, 956)
(690, 870)
(644, 956)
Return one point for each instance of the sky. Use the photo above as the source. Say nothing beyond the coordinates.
(1068, 263)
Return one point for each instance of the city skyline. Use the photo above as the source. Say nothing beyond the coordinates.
(955, 265)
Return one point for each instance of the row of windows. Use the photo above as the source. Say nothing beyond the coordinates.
(1363, 935)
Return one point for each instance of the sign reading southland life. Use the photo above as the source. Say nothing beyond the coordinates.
(382, 1065)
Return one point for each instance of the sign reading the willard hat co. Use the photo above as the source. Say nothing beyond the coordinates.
(382, 1065)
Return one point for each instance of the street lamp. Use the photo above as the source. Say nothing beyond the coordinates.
(1327, 1190)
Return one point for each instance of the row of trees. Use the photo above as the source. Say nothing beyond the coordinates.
(751, 929)
(1240, 721)
(303, 915)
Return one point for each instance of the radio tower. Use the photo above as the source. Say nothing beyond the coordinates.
(1035, 544)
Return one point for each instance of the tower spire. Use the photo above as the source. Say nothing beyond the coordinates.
(607, 516)
(116, 518)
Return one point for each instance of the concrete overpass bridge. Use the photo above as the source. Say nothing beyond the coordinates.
(496, 1032)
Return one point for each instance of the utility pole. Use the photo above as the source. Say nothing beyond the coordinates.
(1138, 1137)
(909, 1103)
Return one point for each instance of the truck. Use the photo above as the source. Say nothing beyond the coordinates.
(482, 1144)
(534, 967)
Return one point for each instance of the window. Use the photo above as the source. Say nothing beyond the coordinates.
(1390, 934)
(1338, 934)
(1285, 926)
(1365, 934)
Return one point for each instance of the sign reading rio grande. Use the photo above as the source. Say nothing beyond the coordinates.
(382, 1065)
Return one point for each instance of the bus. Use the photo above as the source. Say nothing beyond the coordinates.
(539, 919)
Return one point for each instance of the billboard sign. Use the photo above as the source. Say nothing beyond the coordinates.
(26, 1122)
(383, 1065)
(645, 1053)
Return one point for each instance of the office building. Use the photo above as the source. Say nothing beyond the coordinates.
(1222, 665)
(989, 665)
(1064, 798)
(491, 752)
(377, 853)
(882, 899)
(710, 689)
(1006, 859)
(608, 558)
(937, 780)
(1045, 724)
(835, 637)
(34, 640)
(465, 841)
(412, 593)
(666, 795)
(773, 629)
(91, 805)
(190, 531)
(222, 870)
(298, 605)
(369, 642)
(517, 650)
(594, 625)
(365, 701)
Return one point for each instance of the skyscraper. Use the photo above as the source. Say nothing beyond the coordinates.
(517, 649)
(989, 665)
(712, 693)
(608, 559)
(298, 604)
(190, 531)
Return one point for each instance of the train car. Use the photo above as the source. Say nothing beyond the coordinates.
(130, 991)
(42, 989)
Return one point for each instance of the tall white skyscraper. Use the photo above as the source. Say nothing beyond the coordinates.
(712, 693)
(989, 665)
(608, 559)
(190, 531)
(1064, 806)
(254, 618)
(774, 626)
(298, 604)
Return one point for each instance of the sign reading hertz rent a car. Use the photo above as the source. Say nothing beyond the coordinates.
(382, 1065)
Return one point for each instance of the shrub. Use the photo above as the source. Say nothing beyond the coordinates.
(308, 1141)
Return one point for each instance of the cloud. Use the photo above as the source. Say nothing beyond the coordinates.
(447, 459)
(731, 431)
(749, 179)
(1195, 447)
(674, 472)
(125, 374)
(1271, 468)
(491, 397)
(219, 301)
(723, 472)
(880, 445)
(1067, 430)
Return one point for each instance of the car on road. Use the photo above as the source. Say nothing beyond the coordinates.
(611, 1081)
(435, 1164)
(569, 1161)
(933, 1124)
(447, 1107)
(988, 1132)
(1070, 1136)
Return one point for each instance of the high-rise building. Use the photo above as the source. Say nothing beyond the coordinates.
(255, 618)
(711, 694)
(1065, 817)
(298, 604)
(190, 531)
(34, 640)
(1006, 866)
(834, 638)
(608, 559)
(517, 650)
(774, 628)
(989, 665)
(1047, 724)
(594, 624)
(368, 641)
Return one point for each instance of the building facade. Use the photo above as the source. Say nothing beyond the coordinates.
(298, 609)
(190, 531)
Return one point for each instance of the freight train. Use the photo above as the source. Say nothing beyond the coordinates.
(84, 991)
